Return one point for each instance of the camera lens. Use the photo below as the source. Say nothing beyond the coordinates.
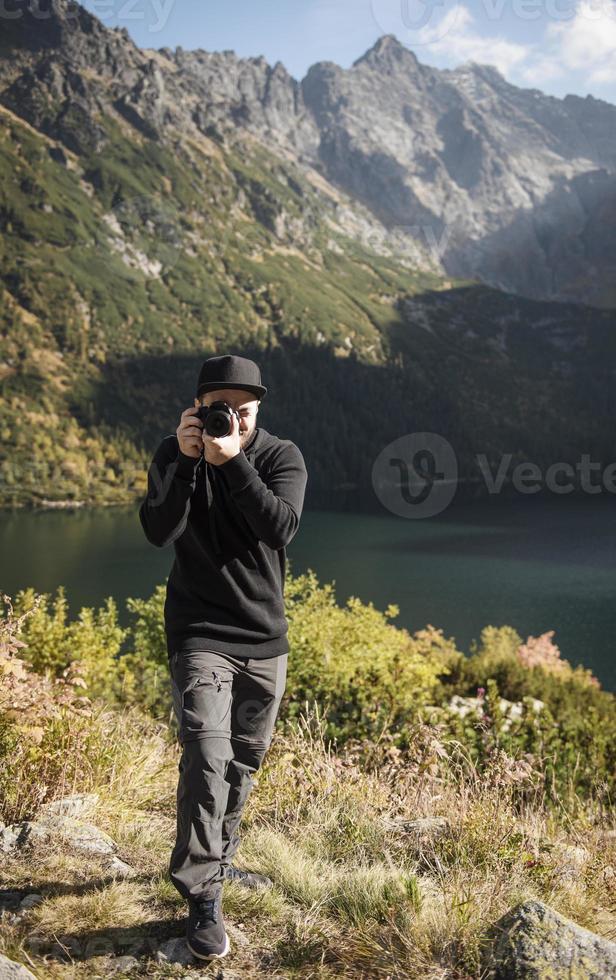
(219, 425)
(218, 422)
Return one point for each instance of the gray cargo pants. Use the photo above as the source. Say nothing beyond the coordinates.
(226, 709)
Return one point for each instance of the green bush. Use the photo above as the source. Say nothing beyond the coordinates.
(571, 740)
(93, 640)
(145, 670)
(367, 675)
(374, 683)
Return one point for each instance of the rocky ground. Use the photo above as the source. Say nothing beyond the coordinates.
(531, 942)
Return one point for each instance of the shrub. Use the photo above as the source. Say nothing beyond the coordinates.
(572, 739)
(52, 644)
(366, 674)
(44, 723)
(144, 668)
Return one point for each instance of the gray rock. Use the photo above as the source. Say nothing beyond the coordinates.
(10, 837)
(119, 868)
(13, 971)
(533, 942)
(99, 945)
(66, 947)
(30, 901)
(74, 833)
(145, 946)
(571, 858)
(123, 965)
(174, 951)
(480, 178)
(69, 806)
(37, 944)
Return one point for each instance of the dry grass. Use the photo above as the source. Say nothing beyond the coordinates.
(356, 893)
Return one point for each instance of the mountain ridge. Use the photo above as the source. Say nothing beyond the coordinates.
(155, 208)
(460, 156)
(490, 178)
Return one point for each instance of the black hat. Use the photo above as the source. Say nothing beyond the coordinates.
(230, 371)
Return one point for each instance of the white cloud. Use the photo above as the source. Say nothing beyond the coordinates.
(455, 37)
(584, 43)
(539, 69)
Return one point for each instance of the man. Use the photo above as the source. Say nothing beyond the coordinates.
(229, 505)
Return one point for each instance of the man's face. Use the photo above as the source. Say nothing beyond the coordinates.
(244, 402)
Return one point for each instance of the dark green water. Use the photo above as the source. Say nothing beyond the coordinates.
(535, 564)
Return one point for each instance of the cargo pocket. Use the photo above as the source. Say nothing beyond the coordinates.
(206, 702)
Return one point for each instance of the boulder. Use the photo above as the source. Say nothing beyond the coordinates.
(70, 806)
(50, 826)
(13, 971)
(10, 837)
(534, 942)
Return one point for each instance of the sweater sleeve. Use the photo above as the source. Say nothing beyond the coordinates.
(273, 508)
(172, 477)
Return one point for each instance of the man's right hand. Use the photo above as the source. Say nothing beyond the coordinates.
(189, 433)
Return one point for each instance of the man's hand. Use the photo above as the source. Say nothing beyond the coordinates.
(189, 433)
(218, 449)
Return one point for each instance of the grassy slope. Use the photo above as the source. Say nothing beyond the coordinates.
(355, 895)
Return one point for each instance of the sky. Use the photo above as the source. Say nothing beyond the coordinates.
(557, 46)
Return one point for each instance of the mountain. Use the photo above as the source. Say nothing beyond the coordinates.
(158, 206)
(514, 187)
(494, 182)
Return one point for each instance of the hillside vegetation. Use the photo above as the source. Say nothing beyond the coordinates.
(123, 268)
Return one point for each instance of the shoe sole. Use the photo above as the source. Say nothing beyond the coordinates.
(210, 956)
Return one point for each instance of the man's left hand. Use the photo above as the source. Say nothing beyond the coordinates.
(218, 449)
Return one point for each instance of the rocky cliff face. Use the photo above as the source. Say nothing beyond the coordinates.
(506, 184)
(477, 177)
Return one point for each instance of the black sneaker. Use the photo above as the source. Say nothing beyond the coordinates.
(206, 936)
(248, 878)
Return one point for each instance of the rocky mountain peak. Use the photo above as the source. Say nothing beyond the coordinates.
(504, 171)
(388, 54)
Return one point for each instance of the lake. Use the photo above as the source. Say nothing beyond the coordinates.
(534, 563)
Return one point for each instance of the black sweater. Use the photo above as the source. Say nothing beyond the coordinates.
(229, 525)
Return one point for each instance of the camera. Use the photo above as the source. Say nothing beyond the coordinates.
(216, 418)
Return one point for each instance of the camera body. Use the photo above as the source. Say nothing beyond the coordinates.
(216, 418)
